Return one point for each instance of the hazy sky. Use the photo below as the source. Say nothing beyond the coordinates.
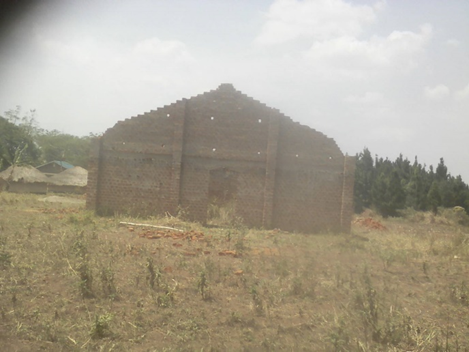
(389, 75)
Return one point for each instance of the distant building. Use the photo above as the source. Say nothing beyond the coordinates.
(23, 179)
(54, 167)
(69, 181)
(225, 148)
(27, 179)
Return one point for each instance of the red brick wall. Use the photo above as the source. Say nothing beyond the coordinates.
(287, 175)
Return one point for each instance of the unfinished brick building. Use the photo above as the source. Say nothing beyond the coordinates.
(225, 146)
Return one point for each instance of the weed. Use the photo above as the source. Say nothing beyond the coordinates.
(240, 244)
(79, 247)
(202, 285)
(107, 282)
(296, 287)
(14, 299)
(182, 213)
(459, 239)
(432, 241)
(166, 299)
(257, 301)
(81, 220)
(281, 268)
(248, 266)
(390, 256)
(100, 326)
(234, 319)
(154, 274)
(210, 267)
(367, 304)
(339, 337)
(190, 326)
(73, 219)
(182, 263)
(425, 268)
(86, 279)
(460, 293)
(163, 301)
(222, 214)
(5, 255)
(301, 287)
(30, 228)
(49, 332)
(268, 344)
(36, 314)
(387, 326)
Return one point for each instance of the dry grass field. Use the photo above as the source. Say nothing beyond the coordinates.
(70, 281)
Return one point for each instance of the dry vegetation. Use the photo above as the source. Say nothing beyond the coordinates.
(71, 281)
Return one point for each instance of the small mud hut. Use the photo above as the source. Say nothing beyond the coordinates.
(23, 179)
(72, 180)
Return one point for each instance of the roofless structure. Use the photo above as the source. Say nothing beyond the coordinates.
(224, 147)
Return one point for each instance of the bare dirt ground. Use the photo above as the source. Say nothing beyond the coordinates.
(71, 281)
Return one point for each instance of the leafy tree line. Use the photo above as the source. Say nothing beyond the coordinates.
(389, 186)
(22, 142)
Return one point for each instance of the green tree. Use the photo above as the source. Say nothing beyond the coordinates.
(461, 190)
(16, 145)
(447, 193)
(434, 198)
(415, 189)
(387, 186)
(441, 172)
(22, 141)
(55, 145)
(27, 122)
(364, 177)
(403, 168)
(454, 192)
(388, 194)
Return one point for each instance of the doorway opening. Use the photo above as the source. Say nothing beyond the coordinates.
(222, 191)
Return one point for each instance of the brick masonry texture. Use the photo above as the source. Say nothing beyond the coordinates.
(223, 144)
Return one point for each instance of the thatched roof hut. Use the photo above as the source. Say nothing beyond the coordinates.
(72, 180)
(27, 179)
(23, 179)
(23, 174)
(76, 176)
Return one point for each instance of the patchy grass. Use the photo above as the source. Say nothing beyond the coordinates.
(71, 281)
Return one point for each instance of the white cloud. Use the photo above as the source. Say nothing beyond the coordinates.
(462, 94)
(367, 98)
(453, 42)
(317, 19)
(332, 31)
(72, 53)
(391, 134)
(436, 93)
(399, 49)
(89, 50)
(149, 60)
(155, 48)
